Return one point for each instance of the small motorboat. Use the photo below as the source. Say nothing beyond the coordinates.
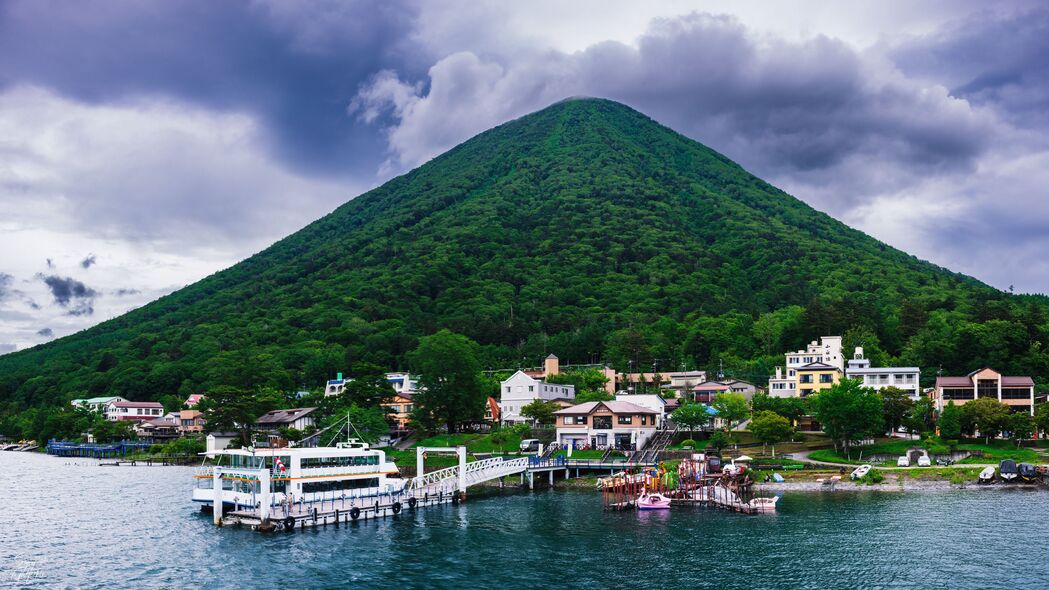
(647, 501)
(860, 471)
(764, 504)
(1007, 469)
(1027, 472)
(987, 475)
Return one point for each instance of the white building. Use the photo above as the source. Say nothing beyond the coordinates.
(521, 389)
(402, 383)
(656, 403)
(905, 378)
(125, 410)
(97, 404)
(827, 351)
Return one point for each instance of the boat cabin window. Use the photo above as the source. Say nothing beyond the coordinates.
(336, 486)
(355, 461)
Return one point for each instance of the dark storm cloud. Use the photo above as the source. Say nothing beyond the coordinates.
(88, 261)
(70, 293)
(292, 65)
(5, 285)
(45, 332)
(125, 292)
(993, 59)
(781, 108)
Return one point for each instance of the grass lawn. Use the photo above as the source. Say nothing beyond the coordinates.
(993, 452)
(475, 442)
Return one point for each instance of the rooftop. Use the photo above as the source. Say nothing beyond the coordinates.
(284, 416)
(616, 407)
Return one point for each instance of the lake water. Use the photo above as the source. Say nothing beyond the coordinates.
(83, 526)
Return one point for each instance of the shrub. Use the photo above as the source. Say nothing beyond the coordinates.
(873, 477)
(688, 442)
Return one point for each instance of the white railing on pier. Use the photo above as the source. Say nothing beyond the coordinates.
(447, 480)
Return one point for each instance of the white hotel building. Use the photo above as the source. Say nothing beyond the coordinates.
(827, 351)
(905, 378)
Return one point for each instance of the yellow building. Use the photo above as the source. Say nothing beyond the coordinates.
(815, 377)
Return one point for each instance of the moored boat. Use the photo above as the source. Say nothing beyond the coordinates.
(303, 476)
(764, 504)
(987, 475)
(860, 471)
(1027, 472)
(647, 501)
(1007, 469)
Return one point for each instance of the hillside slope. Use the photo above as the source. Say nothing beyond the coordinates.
(584, 229)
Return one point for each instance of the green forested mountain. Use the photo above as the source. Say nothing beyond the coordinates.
(585, 229)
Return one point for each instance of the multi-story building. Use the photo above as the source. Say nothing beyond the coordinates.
(399, 410)
(618, 424)
(815, 377)
(905, 378)
(522, 389)
(705, 392)
(125, 410)
(825, 351)
(191, 421)
(401, 383)
(654, 402)
(298, 418)
(1016, 392)
(97, 404)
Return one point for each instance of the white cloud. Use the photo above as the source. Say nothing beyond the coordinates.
(161, 193)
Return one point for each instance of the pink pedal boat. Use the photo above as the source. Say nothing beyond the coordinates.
(648, 501)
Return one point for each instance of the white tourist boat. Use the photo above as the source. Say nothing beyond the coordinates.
(350, 471)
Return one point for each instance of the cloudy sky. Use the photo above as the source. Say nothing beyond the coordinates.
(145, 145)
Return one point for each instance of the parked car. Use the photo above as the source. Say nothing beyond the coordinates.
(924, 461)
(529, 445)
(903, 461)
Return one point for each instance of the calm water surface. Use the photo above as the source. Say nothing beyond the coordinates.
(72, 524)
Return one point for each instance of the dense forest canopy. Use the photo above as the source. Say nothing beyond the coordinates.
(585, 229)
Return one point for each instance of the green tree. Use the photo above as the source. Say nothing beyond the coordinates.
(690, 415)
(731, 407)
(986, 415)
(451, 389)
(770, 428)
(588, 382)
(368, 422)
(921, 417)
(848, 412)
(541, 411)
(1041, 417)
(950, 422)
(229, 409)
(719, 439)
(171, 403)
(896, 406)
(1020, 426)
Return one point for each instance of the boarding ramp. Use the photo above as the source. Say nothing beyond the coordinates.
(456, 479)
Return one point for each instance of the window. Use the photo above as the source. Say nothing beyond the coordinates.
(826, 378)
(568, 420)
(531, 388)
(644, 420)
(1016, 393)
(805, 392)
(987, 388)
(805, 378)
(625, 420)
(966, 393)
(338, 486)
(602, 422)
(507, 389)
(408, 408)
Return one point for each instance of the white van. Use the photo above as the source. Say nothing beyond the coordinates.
(903, 461)
(529, 445)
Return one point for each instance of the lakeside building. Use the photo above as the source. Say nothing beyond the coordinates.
(650, 401)
(905, 378)
(815, 377)
(521, 389)
(193, 400)
(191, 422)
(125, 410)
(399, 410)
(157, 430)
(705, 392)
(97, 404)
(298, 418)
(402, 383)
(1013, 391)
(618, 424)
(826, 351)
